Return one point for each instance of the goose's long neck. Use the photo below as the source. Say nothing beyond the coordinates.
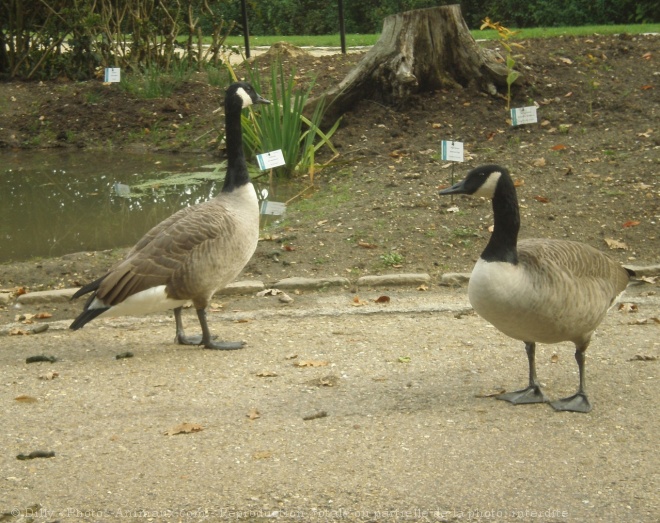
(502, 243)
(237, 173)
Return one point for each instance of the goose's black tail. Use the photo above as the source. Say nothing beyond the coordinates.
(87, 314)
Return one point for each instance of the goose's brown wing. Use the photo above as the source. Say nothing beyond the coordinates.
(163, 251)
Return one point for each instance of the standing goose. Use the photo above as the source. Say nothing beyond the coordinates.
(194, 252)
(538, 290)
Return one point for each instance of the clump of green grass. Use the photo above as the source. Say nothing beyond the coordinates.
(154, 82)
(391, 259)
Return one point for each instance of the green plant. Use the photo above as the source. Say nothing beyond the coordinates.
(391, 259)
(153, 82)
(217, 76)
(463, 232)
(504, 35)
(282, 124)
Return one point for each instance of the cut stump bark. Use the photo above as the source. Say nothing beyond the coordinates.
(420, 50)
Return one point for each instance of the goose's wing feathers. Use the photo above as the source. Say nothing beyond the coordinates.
(163, 254)
(574, 269)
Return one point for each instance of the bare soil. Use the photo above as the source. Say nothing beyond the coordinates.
(587, 171)
(389, 417)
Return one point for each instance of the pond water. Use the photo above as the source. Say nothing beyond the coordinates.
(53, 203)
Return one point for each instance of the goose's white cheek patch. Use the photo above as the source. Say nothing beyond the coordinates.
(247, 100)
(487, 189)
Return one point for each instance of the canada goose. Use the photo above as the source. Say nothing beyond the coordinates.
(194, 252)
(538, 290)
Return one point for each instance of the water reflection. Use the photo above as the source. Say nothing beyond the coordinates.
(54, 203)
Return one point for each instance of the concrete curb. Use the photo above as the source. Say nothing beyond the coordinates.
(246, 287)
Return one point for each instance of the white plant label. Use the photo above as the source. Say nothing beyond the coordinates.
(273, 208)
(452, 151)
(112, 74)
(523, 115)
(270, 160)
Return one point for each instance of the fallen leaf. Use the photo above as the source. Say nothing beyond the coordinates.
(288, 248)
(518, 183)
(20, 291)
(262, 454)
(649, 279)
(184, 428)
(292, 356)
(423, 287)
(24, 398)
(18, 332)
(631, 223)
(566, 60)
(253, 414)
(541, 199)
(50, 375)
(269, 292)
(647, 56)
(436, 125)
(645, 321)
(357, 302)
(569, 94)
(491, 135)
(539, 162)
(43, 315)
(404, 359)
(558, 147)
(311, 363)
(367, 245)
(615, 244)
(647, 134)
(382, 299)
(266, 374)
(628, 307)
(646, 87)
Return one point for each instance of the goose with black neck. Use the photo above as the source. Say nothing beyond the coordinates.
(193, 253)
(538, 290)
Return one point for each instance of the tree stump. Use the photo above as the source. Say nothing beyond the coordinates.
(420, 50)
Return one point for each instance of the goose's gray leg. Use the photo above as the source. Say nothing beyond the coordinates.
(578, 402)
(533, 393)
(206, 338)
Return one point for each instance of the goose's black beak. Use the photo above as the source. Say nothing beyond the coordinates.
(261, 100)
(458, 188)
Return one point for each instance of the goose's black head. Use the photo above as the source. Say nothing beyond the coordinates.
(480, 181)
(241, 94)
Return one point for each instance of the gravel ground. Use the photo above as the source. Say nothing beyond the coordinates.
(337, 409)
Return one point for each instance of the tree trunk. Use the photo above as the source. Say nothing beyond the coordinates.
(418, 51)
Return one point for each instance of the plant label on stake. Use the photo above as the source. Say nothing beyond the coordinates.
(112, 75)
(451, 151)
(270, 161)
(273, 208)
(523, 115)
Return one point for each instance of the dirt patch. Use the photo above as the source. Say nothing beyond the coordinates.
(588, 171)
